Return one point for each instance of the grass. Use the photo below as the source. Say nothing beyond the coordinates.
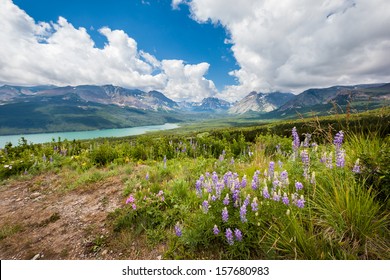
(345, 214)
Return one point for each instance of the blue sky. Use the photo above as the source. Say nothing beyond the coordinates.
(158, 29)
(192, 49)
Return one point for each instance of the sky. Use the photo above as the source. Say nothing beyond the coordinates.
(192, 49)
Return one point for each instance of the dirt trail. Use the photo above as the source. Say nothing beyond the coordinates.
(53, 224)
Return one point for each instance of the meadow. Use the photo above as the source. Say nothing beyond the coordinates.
(314, 188)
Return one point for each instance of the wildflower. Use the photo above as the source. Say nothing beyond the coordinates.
(280, 164)
(235, 195)
(265, 192)
(130, 199)
(305, 161)
(161, 194)
(198, 187)
(300, 203)
(214, 177)
(225, 215)
(226, 200)
(246, 201)
(296, 142)
(134, 206)
(229, 236)
(238, 234)
(232, 161)
(298, 186)
(165, 162)
(254, 205)
(338, 139)
(213, 198)
(44, 158)
(285, 199)
(147, 176)
(340, 158)
(356, 167)
(215, 230)
(205, 206)
(275, 196)
(254, 184)
(243, 213)
(178, 230)
(271, 169)
(284, 178)
(243, 182)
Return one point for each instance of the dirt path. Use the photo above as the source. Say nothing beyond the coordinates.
(52, 224)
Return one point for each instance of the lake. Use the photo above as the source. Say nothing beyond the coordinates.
(78, 135)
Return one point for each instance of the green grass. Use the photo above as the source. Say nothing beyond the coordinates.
(345, 215)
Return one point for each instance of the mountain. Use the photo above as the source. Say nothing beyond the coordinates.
(260, 102)
(44, 109)
(108, 95)
(209, 104)
(372, 94)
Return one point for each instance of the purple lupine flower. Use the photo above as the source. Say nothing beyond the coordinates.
(306, 162)
(225, 215)
(254, 205)
(298, 186)
(254, 184)
(300, 203)
(356, 167)
(285, 199)
(243, 213)
(243, 182)
(214, 177)
(340, 158)
(284, 178)
(235, 195)
(205, 206)
(44, 158)
(247, 200)
(198, 186)
(147, 176)
(232, 161)
(226, 200)
(266, 193)
(221, 158)
(178, 230)
(271, 169)
(295, 143)
(51, 159)
(229, 236)
(165, 161)
(215, 230)
(275, 196)
(338, 139)
(130, 199)
(238, 234)
(213, 198)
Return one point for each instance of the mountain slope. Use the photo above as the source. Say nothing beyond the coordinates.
(260, 102)
(341, 95)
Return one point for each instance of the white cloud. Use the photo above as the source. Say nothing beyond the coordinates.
(187, 82)
(58, 53)
(293, 45)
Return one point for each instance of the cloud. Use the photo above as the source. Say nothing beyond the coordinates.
(58, 53)
(187, 82)
(293, 45)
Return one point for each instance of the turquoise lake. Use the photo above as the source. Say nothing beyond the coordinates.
(78, 135)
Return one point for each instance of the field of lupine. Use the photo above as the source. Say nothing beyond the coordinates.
(202, 196)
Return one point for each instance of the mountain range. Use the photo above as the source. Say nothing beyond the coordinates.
(50, 108)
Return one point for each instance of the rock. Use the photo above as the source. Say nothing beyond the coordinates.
(35, 195)
(159, 257)
(36, 257)
(104, 252)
